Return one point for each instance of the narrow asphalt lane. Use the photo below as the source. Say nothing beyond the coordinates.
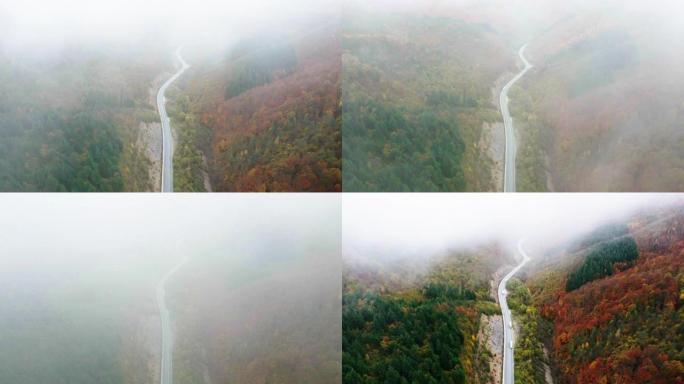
(511, 145)
(166, 376)
(167, 137)
(509, 336)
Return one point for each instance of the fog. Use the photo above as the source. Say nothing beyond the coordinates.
(85, 267)
(385, 227)
(50, 24)
(53, 228)
(522, 20)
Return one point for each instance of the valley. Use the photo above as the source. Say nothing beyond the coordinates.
(417, 109)
(598, 302)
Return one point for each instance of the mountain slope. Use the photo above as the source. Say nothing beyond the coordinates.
(409, 323)
(602, 108)
(417, 101)
(74, 120)
(268, 113)
(626, 327)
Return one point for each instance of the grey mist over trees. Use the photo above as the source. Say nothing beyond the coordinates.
(79, 274)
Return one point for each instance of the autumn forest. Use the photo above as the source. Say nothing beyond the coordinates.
(342, 192)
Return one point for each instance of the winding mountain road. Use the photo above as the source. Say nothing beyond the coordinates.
(166, 376)
(167, 137)
(509, 336)
(511, 146)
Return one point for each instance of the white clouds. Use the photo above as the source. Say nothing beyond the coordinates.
(386, 225)
(50, 230)
(38, 23)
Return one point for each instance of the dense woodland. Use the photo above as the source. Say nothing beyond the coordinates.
(411, 340)
(193, 140)
(68, 123)
(373, 128)
(403, 326)
(272, 111)
(67, 151)
(624, 326)
(414, 105)
(602, 260)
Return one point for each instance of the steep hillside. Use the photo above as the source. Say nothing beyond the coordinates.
(601, 110)
(265, 117)
(401, 324)
(74, 121)
(417, 102)
(272, 318)
(624, 326)
(79, 324)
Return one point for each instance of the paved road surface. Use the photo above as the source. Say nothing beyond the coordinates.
(509, 337)
(167, 335)
(511, 146)
(167, 138)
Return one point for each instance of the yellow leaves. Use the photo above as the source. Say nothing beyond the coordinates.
(385, 342)
(44, 150)
(424, 349)
(593, 364)
(387, 150)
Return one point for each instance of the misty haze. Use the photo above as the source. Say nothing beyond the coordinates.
(190, 289)
(429, 103)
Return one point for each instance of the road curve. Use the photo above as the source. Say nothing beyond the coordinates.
(511, 146)
(167, 138)
(166, 376)
(509, 337)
